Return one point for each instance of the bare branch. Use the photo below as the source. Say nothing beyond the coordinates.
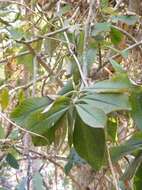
(91, 16)
(19, 127)
(41, 62)
(111, 169)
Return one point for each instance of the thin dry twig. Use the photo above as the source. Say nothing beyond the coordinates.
(50, 159)
(120, 54)
(41, 61)
(20, 4)
(26, 85)
(5, 60)
(74, 56)
(19, 127)
(69, 45)
(111, 169)
(91, 15)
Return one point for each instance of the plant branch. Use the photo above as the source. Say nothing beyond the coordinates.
(50, 159)
(125, 33)
(26, 85)
(74, 56)
(3, 61)
(92, 12)
(119, 54)
(111, 169)
(19, 127)
(41, 62)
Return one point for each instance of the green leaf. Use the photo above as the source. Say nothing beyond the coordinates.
(45, 123)
(104, 3)
(100, 27)
(90, 57)
(55, 134)
(86, 140)
(91, 115)
(108, 102)
(21, 96)
(112, 129)
(116, 36)
(132, 168)
(117, 84)
(125, 53)
(38, 182)
(4, 98)
(2, 73)
(127, 19)
(16, 33)
(29, 106)
(137, 181)
(118, 67)
(80, 42)
(12, 161)
(136, 104)
(2, 133)
(67, 88)
(70, 122)
(26, 60)
(37, 121)
(109, 10)
(130, 146)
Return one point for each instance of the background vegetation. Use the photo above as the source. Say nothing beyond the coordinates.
(70, 94)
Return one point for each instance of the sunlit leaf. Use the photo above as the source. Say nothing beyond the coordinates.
(104, 3)
(46, 123)
(4, 98)
(112, 129)
(107, 102)
(2, 132)
(90, 57)
(117, 84)
(100, 27)
(23, 111)
(118, 67)
(91, 116)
